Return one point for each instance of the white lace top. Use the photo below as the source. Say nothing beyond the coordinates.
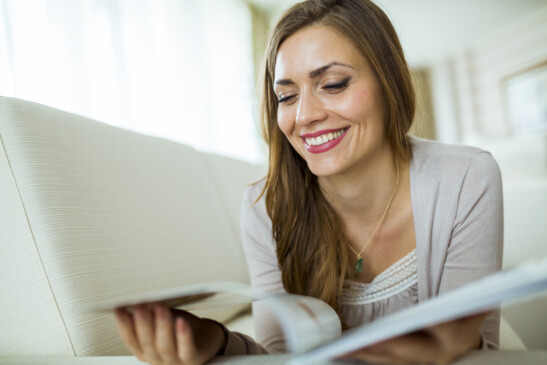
(393, 289)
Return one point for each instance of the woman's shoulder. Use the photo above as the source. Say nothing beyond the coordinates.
(256, 226)
(449, 159)
(253, 205)
(254, 191)
(429, 149)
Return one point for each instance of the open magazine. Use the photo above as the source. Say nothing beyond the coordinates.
(312, 328)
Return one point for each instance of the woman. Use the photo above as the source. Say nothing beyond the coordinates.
(352, 211)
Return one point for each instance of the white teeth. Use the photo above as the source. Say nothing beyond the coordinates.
(316, 141)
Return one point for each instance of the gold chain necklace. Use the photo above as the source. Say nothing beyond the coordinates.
(359, 263)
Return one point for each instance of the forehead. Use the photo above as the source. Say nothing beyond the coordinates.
(314, 47)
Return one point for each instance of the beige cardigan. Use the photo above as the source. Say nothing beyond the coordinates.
(456, 195)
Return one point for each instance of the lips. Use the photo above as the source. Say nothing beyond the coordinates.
(324, 140)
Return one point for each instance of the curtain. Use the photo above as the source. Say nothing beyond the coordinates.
(178, 69)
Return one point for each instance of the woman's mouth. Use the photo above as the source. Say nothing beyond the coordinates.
(323, 141)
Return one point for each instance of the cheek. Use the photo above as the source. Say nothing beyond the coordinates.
(363, 95)
(365, 99)
(364, 104)
(284, 122)
(354, 104)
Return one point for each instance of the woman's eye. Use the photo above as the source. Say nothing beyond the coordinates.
(336, 86)
(285, 98)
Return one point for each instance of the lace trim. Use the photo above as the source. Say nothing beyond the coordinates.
(398, 277)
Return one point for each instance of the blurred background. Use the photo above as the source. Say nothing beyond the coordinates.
(187, 70)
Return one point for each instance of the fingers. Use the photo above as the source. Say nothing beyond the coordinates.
(441, 344)
(125, 327)
(156, 338)
(185, 342)
(460, 335)
(418, 347)
(144, 328)
(148, 334)
(164, 335)
(374, 356)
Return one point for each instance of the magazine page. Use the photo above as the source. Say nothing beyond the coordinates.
(512, 285)
(202, 295)
(306, 322)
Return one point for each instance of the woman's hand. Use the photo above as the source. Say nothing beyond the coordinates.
(440, 344)
(158, 335)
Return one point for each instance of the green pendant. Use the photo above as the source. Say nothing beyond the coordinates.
(359, 265)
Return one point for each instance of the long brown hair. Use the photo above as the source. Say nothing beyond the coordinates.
(311, 247)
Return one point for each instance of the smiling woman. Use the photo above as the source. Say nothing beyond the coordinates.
(353, 210)
(341, 97)
(345, 178)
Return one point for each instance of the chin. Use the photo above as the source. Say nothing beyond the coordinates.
(321, 170)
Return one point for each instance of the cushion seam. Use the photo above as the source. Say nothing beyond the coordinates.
(38, 256)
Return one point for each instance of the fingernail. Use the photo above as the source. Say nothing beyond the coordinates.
(180, 325)
(160, 313)
(140, 313)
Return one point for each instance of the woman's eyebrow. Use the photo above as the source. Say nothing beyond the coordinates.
(313, 74)
(321, 70)
(284, 82)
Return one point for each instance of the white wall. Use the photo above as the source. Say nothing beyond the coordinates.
(469, 101)
(470, 108)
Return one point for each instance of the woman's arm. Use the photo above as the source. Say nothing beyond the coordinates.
(476, 245)
(259, 246)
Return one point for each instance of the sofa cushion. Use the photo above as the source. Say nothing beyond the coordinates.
(94, 212)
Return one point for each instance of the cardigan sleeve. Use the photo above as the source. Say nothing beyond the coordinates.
(240, 344)
(265, 275)
(476, 244)
(259, 246)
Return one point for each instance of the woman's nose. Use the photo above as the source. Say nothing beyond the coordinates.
(310, 109)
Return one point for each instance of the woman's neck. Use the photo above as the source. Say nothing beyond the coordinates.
(361, 195)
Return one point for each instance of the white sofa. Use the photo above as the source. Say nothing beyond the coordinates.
(90, 212)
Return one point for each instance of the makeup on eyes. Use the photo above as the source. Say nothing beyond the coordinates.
(283, 99)
(332, 87)
(338, 85)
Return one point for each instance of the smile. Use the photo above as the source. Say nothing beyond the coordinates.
(323, 141)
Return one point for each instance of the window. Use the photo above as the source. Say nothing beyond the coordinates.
(178, 69)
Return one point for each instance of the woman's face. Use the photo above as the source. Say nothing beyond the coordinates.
(330, 104)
